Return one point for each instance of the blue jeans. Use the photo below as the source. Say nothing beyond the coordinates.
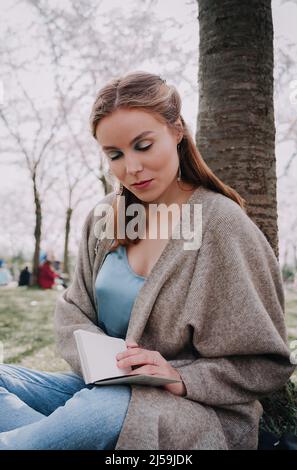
(57, 410)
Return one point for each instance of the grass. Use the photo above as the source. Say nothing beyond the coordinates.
(26, 328)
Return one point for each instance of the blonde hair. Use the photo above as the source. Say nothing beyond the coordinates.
(150, 93)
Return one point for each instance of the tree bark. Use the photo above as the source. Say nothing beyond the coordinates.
(235, 129)
(66, 242)
(295, 256)
(37, 232)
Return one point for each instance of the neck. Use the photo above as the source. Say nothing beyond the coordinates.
(179, 194)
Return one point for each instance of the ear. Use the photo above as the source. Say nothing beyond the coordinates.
(179, 130)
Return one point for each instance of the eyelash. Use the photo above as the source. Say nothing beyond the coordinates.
(143, 149)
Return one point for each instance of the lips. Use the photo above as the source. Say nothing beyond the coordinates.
(141, 182)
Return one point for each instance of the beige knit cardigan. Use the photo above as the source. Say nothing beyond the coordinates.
(215, 313)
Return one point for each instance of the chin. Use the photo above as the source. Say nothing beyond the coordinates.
(144, 195)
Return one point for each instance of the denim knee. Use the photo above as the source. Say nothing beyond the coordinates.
(112, 400)
(4, 370)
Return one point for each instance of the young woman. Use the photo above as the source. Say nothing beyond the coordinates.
(210, 315)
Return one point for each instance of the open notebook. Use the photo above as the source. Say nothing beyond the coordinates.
(97, 353)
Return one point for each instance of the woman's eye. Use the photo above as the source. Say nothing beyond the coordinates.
(145, 148)
(115, 156)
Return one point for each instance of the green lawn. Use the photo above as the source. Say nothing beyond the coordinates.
(26, 327)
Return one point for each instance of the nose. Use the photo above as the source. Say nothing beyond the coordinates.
(133, 165)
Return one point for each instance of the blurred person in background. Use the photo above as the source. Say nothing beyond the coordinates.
(24, 279)
(46, 275)
(5, 275)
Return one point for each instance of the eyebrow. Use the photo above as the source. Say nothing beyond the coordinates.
(132, 141)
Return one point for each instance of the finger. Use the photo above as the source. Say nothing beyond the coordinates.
(136, 359)
(132, 360)
(128, 353)
(147, 369)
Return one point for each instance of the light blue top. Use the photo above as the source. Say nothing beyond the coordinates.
(117, 286)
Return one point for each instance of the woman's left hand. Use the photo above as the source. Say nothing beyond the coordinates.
(153, 363)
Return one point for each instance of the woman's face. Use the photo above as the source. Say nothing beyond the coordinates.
(139, 148)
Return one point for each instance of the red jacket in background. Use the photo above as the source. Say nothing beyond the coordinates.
(46, 276)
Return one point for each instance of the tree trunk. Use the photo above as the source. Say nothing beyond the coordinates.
(294, 256)
(236, 131)
(37, 233)
(66, 242)
(286, 255)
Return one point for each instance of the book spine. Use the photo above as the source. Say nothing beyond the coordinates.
(83, 359)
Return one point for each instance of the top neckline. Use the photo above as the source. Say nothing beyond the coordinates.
(153, 275)
(128, 264)
(167, 246)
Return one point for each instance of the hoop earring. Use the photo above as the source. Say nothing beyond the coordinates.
(179, 169)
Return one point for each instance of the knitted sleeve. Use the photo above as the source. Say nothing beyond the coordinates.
(237, 303)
